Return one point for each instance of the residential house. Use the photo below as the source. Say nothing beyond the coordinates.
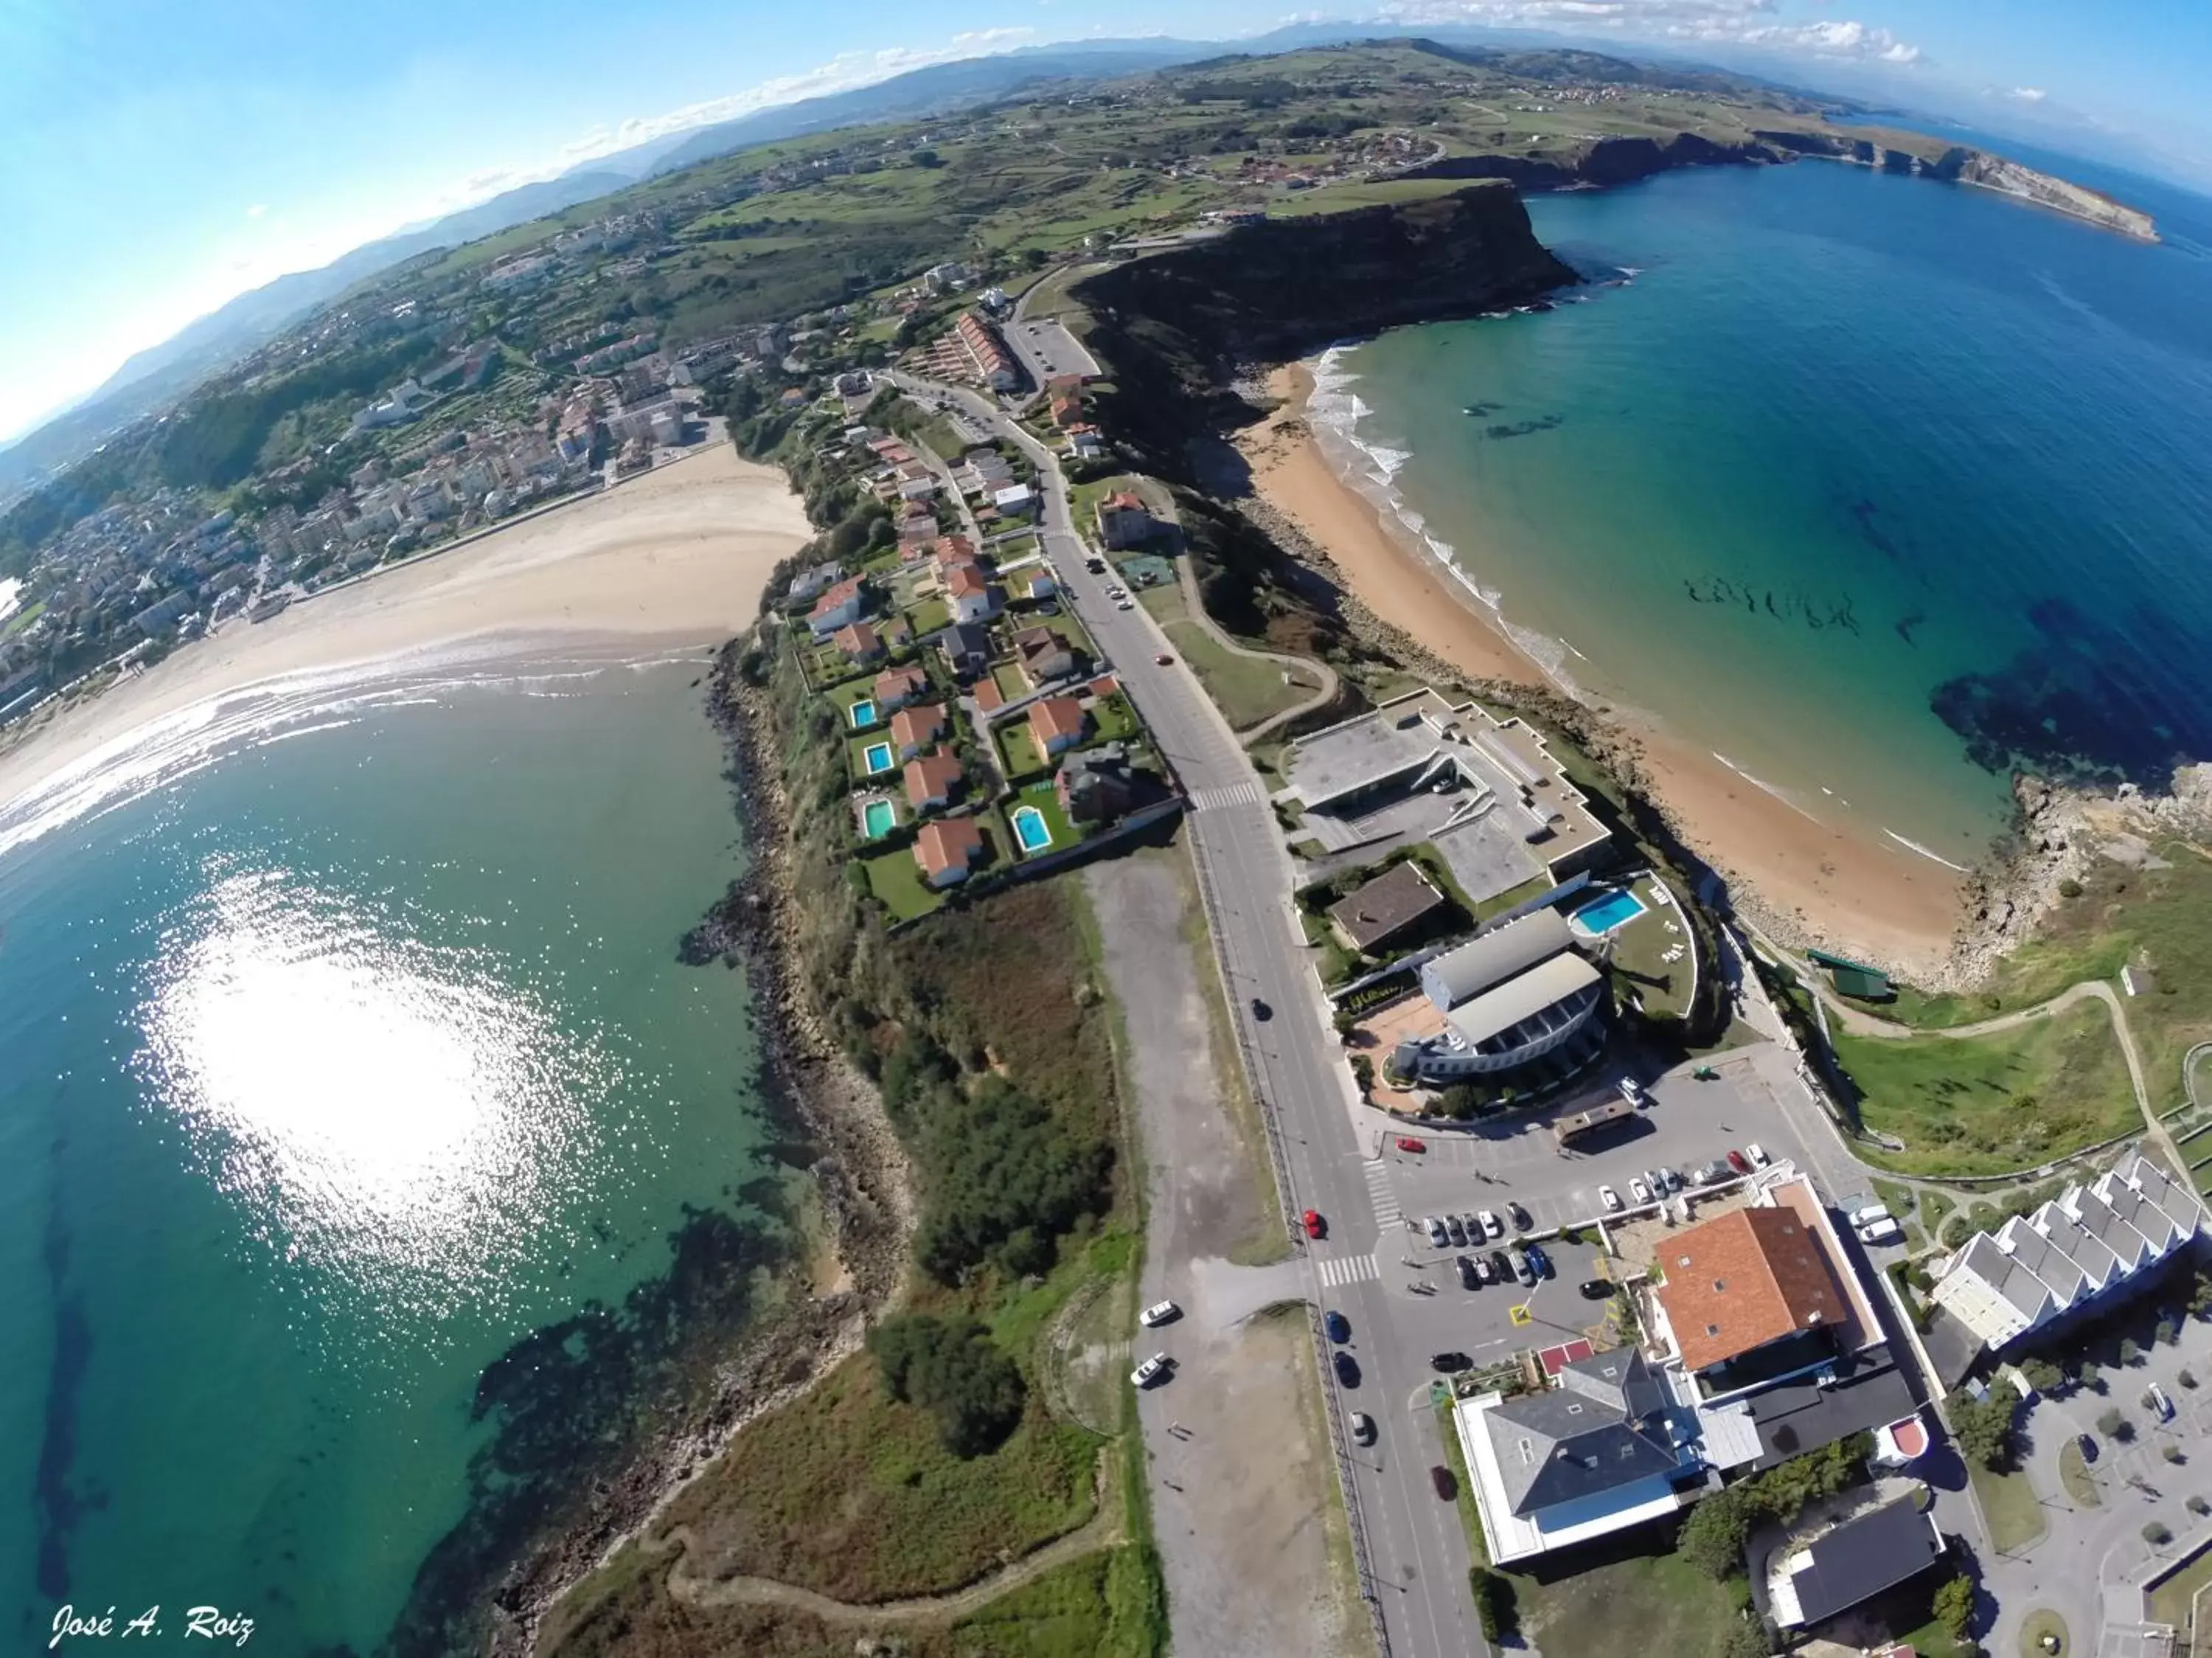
(1044, 655)
(894, 687)
(1056, 723)
(1392, 906)
(1095, 785)
(967, 648)
(858, 644)
(1036, 583)
(1015, 501)
(972, 598)
(1852, 1562)
(810, 584)
(842, 604)
(915, 729)
(947, 850)
(930, 783)
(1084, 443)
(1123, 521)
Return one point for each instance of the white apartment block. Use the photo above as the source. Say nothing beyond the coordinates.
(2089, 1242)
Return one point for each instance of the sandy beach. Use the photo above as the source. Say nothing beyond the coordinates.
(678, 556)
(1850, 892)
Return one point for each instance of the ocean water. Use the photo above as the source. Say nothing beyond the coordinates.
(1876, 488)
(345, 1049)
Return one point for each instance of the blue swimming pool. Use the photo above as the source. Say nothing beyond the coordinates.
(1030, 829)
(878, 817)
(864, 713)
(876, 756)
(1616, 909)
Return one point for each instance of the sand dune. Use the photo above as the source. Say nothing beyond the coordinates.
(678, 555)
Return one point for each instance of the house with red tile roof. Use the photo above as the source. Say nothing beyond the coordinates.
(841, 605)
(1122, 519)
(947, 850)
(915, 729)
(931, 782)
(1056, 723)
(973, 598)
(896, 687)
(857, 643)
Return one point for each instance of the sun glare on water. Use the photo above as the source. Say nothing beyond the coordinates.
(397, 1114)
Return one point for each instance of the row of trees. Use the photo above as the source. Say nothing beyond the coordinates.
(1712, 1538)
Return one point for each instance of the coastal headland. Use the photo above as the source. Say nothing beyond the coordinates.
(678, 556)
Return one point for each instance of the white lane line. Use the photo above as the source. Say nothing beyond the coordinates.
(1388, 1214)
(1340, 1271)
(1241, 794)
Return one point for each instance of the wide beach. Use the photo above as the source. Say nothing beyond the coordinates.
(679, 555)
(1855, 891)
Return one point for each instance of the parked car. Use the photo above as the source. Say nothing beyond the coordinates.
(1503, 1265)
(1638, 1192)
(1347, 1369)
(1486, 1270)
(1435, 1227)
(1711, 1175)
(1407, 1142)
(1609, 1196)
(2155, 1398)
(1158, 1314)
(1632, 1091)
(1491, 1226)
(1540, 1260)
(1150, 1371)
(1655, 1182)
(1757, 1154)
(1673, 1179)
(1449, 1363)
(1456, 1227)
(1338, 1327)
(1315, 1226)
(1596, 1289)
(1519, 1215)
(1474, 1225)
(1447, 1487)
(1524, 1268)
(1363, 1428)
(1469, 1277)
(1739, 1162)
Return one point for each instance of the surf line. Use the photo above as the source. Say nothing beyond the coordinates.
(1761, 784)
(1915, 846)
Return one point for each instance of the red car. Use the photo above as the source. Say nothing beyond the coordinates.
(1739, 1162)
(1314, 1225)
(1406, 1144)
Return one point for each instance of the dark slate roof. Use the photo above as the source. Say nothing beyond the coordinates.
(1386, 905)
(967, 639)
(1603, 1427)
(1863, 1558)
(1802, 1416)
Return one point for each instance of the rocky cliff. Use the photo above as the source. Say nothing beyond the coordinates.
(1960, 165)
(1601, 161)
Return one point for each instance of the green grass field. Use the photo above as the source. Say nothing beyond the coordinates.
(1245, 690)
(896, 880)
(1654, 1602)
(2007, 1501)
(1990, 1105)
(1041, 796)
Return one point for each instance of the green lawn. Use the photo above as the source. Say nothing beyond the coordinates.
(1245, 690)
(2009, 1504)
(2173, 1599)
(2074, 1475)
(1008, 678)
(843, 696)
(896, 880)
(23, 618)
(1041, 796)
(928, 616)
(2037, 1625)
(1112, 718)
(856, 763)
(1649, 1603)
(1988, 1104)
(1017, 750)
(1638, 957)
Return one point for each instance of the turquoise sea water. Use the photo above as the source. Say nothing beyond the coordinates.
(346, 1047)
(1874, 487)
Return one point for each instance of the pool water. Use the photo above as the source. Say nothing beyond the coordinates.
(864, 713)
(1030, 829)
(878, 818)
(1615, 909)
(876, 756)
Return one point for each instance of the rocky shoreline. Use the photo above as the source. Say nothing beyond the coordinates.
(859, 1172)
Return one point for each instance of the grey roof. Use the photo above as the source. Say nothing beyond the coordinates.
(1601, 1428)
(1803, 1416)
(2179, 1204)
(1862, 1557)
(2099, 1221)
(1386, 905)
(2138, 1211)
(1495, 957)
(2006, 1276)
(967, 638)
(1519, 999)
(2043, 1258)
(2097, 1263)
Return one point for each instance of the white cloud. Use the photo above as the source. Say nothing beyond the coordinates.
(257, 210)
(2028, 94)
(1721, 23)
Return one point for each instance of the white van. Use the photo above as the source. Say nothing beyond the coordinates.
(1872, 1215)
(1883, 1231)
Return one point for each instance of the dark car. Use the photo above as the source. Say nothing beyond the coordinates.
(1339, 1327)
(1596, 1289)
(1456, 1230)
(1468, 1277)
(1261, 1009)
(1502, 1265)
(1447, 1487)
(1347, 1369)
(1520, 1217)
(1449, 1363)
(1540, 1261)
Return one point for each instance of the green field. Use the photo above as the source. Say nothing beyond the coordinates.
(1247, 690)
(1656, 1602)
(2009, 1502)
(1992, 1104)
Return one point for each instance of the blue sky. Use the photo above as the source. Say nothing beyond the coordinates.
(161, 157)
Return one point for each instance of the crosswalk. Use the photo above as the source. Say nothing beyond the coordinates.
(1388, 1214)
(1240, 794)
(1338, 1270)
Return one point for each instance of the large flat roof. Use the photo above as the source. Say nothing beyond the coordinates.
(1522, 997)
(1494, 957)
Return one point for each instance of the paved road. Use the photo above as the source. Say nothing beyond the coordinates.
(1415, 1544)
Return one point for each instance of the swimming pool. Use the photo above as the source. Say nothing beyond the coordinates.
(876, 756)
(1601, 915)
(1030, 829)
(878, 818)
(864, 713)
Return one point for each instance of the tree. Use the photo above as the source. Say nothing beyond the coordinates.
(1747, 1639)
(2200, 1294)
(1954, 1606)
(1494, 1608)
(952, 1368)
(2092, 1377)
(2108, 1422)
(2156, 1534)
(1984, 1428)
(2167, 1332)
(2198, 1506)
(2128, 1351)
(2042, 1375)
(1712, 1538)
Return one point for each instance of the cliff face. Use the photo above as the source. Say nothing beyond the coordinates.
(1276, 289)
(1960, 165)
(1605, 162)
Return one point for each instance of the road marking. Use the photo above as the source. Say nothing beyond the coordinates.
(1343, 1270)
(1388, 1214)
(1241, 794)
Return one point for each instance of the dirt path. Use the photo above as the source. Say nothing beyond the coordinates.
(1104, 1530)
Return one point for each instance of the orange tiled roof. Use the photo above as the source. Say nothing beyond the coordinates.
(1744, 1279)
